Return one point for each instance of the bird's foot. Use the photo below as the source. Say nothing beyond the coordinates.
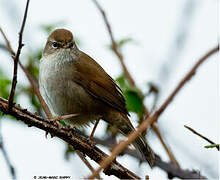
(59, 121)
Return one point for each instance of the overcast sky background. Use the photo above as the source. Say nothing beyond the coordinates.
(154, 57)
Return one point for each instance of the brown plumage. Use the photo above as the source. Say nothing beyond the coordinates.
(98, 83)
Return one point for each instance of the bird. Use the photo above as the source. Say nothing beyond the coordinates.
(71, 82)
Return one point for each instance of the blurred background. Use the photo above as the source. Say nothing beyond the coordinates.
(160, 41)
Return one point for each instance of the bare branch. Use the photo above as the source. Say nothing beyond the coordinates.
(200, 135)
(7, 42)
(16, 58)
(151, 119)
(69, 135)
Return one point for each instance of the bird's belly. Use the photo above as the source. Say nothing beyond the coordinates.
(69, 98)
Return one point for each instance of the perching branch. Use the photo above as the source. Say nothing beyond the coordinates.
(16, 59)
(151, 119)
(200, 135)
(69, 135)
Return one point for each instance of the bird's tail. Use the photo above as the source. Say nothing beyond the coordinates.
(144, 149)
(123, 124)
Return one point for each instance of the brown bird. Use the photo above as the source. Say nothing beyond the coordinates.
(72, 82)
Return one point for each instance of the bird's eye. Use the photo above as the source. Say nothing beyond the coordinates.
(71, 45)
(55, 44)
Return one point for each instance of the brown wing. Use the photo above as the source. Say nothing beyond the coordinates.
(98, 83)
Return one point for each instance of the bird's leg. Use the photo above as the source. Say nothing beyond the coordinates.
(93, 130)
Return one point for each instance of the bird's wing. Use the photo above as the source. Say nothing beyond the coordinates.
(98, 83)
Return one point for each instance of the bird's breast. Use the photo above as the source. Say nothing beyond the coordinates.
(63, 95)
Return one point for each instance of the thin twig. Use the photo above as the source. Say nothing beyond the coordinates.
(16, 58)
(7, 42)
(200, 135)
(70, 136)
(7, 160)
(151, 119)
(86, 162)
(129, 77)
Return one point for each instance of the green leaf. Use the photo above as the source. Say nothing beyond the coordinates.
(5, 85)
(124, 41)
(212, 146)
(63, 122)
(134, 101)
(133, 96)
